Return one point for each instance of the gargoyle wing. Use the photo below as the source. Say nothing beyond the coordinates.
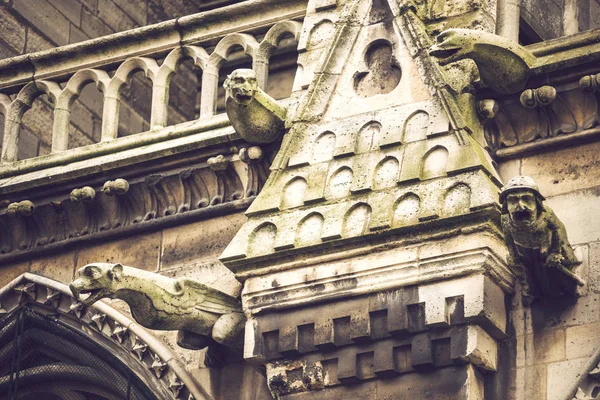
(194, 294)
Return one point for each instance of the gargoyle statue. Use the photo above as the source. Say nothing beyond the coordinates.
(255, 115)
(503, 64)
(538, 248)
(200, 313)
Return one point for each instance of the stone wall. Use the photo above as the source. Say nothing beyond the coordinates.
(552, 343)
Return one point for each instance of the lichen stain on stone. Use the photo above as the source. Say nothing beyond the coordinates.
(346, 284)
(279, 385)
(317, 288)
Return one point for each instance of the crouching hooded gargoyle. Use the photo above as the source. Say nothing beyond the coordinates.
(539, 251)
(203, 316)
(256, 116)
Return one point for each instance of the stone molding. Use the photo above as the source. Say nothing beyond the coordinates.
(195, 134)
(174, 194)
(293, 291)
(541, 117)
(105, 325)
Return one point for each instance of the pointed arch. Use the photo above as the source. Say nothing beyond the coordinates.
(309, 230)
(434, 163)
(356, 220)
(104, 347)
(406, 210)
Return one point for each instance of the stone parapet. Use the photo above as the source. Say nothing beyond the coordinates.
(158, 50)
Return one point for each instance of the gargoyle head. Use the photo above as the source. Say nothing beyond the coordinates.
(522, 200)
(452, 45)
(241, 85)
(99, 280)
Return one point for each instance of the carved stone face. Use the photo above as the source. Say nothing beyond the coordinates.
(242, 85)
(451, 45)
(99, 280)
(522, 206)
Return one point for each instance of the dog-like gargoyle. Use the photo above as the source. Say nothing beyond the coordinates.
(538, 248)
(255, 116)
(202, 315)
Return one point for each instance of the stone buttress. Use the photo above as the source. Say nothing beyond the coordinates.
(372, 261)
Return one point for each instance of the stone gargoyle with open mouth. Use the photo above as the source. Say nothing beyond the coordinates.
(201, 314)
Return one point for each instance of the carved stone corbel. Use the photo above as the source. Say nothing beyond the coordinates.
(257, 171)
(497, 129)
(228, 182)
(23, 211)
(95, 217)
(118, 189)
(550, 115)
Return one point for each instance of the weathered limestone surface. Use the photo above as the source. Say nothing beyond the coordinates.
(373, 250)
(373, 264)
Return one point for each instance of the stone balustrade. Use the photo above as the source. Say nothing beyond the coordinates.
(111, 61)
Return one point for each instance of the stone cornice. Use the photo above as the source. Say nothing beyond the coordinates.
(373, 280)
(137, 190)
(566, 52)
(542, 117)
(25, 174)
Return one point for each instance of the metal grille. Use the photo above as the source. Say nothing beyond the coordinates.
(43, 359)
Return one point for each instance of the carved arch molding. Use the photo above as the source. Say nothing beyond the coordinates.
(53, 347)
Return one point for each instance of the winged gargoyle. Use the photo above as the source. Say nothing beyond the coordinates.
(503, 65)
(200, 313)
(255, 115)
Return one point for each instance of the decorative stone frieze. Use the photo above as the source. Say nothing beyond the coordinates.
(539, 114)
(195, 187)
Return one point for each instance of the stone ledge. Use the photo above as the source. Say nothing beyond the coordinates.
(120, 152)
(293, 289)
(545, 145)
